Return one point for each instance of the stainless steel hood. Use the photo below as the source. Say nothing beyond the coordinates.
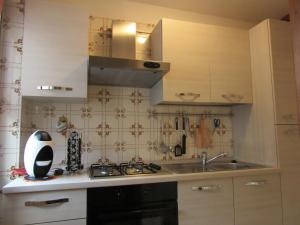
(122, 69)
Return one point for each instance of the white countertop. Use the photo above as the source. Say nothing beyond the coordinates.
(82, 181)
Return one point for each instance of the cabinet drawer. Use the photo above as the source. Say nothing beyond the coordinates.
(257, 200)
(39, 207)
(198, 202)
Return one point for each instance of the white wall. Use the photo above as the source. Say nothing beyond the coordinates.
(145, 13)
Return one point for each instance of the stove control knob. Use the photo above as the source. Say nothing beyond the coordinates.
(118, 194)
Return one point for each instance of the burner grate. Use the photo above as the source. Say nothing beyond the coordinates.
(124, 169)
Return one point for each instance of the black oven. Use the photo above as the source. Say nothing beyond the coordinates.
(144, 204)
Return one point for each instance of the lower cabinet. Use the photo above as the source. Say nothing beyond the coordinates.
(50, 207)
(290, 186)
(67, 222)
(257, 200)
(207, 202)
(249, 200)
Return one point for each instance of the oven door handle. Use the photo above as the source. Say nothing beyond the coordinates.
(126, 213)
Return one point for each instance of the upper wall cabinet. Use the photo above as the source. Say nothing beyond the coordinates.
(272, 56)
(285, 94)
(209, 64)
(55, 50)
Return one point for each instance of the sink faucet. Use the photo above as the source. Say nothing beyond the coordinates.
(206, 160)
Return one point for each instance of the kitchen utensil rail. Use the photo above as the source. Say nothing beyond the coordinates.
(191, 114)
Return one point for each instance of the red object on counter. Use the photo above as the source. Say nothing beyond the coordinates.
(17, 172)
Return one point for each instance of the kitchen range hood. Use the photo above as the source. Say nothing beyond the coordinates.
(123, 69)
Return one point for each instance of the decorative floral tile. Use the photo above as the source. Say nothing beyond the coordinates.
(9, 74)
(11, 54)
(13, 12)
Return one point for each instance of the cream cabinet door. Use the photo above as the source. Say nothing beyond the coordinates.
(55, 52)
(188, 88)
(209, 64)
(290, 185)
(231, 83)
(285, 95)
(185, 46)
(257, 200)
(288, 142)
(231, 66)
(42, 207)
(208, 202)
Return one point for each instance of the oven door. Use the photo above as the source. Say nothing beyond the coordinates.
(160, 214)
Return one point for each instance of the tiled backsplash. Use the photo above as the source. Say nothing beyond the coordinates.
(10, 79)
(118, 124)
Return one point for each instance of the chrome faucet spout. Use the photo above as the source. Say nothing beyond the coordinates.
(205, 159)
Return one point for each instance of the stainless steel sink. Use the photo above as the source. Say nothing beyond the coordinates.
(211, 167)
(186, 168)
(219, 166)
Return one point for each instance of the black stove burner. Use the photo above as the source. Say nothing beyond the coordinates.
(136, 168)
(113, 170)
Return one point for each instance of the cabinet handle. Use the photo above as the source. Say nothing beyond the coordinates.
(256, 183)
(289, 117)
(206, 188)
(190, 96)
(47, 202)
(233, 97)
(53, 88)
(292, 132)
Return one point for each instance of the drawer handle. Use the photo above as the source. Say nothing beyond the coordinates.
(206, 188)
(189, 96)
(53, 88)
(47, 202)
(256, 183)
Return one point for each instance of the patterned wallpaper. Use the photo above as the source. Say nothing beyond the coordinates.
(116, 124)
(10, 79)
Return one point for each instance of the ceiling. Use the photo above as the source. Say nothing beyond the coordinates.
(248, 10)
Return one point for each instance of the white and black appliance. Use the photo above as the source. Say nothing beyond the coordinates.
(143, 204)
(38, 155)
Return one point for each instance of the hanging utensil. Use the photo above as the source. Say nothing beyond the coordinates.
(183, 142)
(178, 147)
(176, 123)
(217, 124)
(178, 150)
(163, 146)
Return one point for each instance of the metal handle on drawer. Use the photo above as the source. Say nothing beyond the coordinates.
(47, 202)
(54, 88)
(206, 188)
(256, 183)
(193, 96)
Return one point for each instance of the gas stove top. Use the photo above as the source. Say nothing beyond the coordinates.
(123, 169)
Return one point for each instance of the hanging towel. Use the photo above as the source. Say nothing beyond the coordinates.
(203, 134)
